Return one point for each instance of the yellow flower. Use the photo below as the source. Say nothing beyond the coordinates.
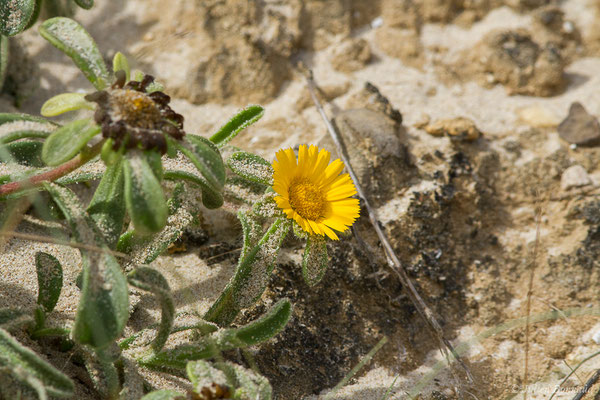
(313, 193)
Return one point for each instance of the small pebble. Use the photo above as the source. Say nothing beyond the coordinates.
(538, 117)
(459, 128)
(574, 176)
(580, 127)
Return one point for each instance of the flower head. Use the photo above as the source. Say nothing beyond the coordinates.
(312, 192)
(130, 115)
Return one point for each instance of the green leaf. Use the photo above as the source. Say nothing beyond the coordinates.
(266, 326)
(68, 140)
(210, 198)
(179, 356)
(153, 281)
(314, 260)
(50, 280)
(13, 316)
(251, 167)
(164, 394)
(241, 120)
(207, 159)
(72, 39)
(251, 276)
(65, 102)
(86, 4)
(249, 385)
(27, 153)
(35, 15)
(15, 15)
(23, 363)
(20, 126)
(120, 63)
(201, 373)
(4, 55)
(144, 196)
(103, 306)
(107, 207)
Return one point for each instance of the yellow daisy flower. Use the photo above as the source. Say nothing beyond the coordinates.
(313, 193)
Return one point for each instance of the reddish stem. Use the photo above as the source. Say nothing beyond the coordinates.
(53, 174)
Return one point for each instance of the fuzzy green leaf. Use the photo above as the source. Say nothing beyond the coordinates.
(164, 394)
(251, 276)
(4, 55)
(86, 4)
(314, 260)
(249, 385)
(23, 363)
(241, 120)
(120, 63)
(144, 196)
(103, 306)
(27, 153)
(206, 158)
(50, 280)
(68, 140)
(107, 207)
(63, 103)
(20, 126)
(201, 372)
(13, 316)
(72, 39)
(210, 198)
(266, 326)
(15, 15)
(153, 281)
(251, 167)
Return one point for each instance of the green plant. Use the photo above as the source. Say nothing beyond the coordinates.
(19, 15)
(136, 211)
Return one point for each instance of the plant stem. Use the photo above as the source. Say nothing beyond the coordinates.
(111, 375)
(55, 173)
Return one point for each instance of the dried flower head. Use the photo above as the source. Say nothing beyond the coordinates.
(130, 115)
(313, 193)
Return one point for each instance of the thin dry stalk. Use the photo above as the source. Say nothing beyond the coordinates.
(532, 267)
(393, 261)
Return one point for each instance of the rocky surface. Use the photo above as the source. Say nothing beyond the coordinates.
(473, 222)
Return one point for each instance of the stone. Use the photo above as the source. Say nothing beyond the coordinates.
(538, 117)
(574, 176)
(351, 55)
(579, 127)
(403, 44)
(459, 128)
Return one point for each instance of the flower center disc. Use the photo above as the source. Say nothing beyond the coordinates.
(135, 108)
(307, 199)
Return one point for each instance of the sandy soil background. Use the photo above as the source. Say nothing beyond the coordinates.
(453, 128)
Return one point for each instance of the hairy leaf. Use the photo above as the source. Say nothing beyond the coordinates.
(103, 306)
(4, 55)
(24, 363)
(164, 394)
(120, 63)
(15, 15)
(211, 198)
(153, 281)
(27, 153)
(107, 207)
(63, 103)
(314, 260)
(144, 196)
(20, 126)
(241, 120)
(266, 326)
(68, 140)
(50, 280)
(72, 39)
(251, 167)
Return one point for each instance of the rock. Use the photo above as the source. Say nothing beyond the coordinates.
(579, 127)
(459, 128)
(351, 55)
(550, 27)
(574, 176)
(401, 43)
(513, 59)
(538, 117)
(371, 98)
(377, 154)
(403, 14)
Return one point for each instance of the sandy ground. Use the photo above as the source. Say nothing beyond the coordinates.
(461, 214)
